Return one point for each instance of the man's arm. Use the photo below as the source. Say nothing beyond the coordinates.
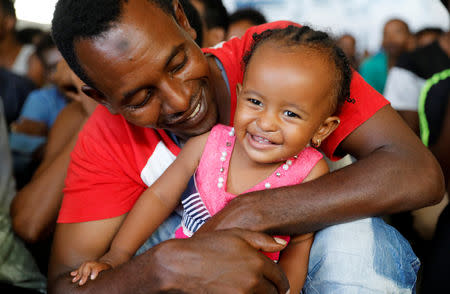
(411, 119)
(29, 127)
(218, 262)
(394, 172)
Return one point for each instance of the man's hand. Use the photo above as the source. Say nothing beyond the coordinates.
(221, 262)
(29, 127)
(225, 261)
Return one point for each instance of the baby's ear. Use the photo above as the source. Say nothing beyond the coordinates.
(328, 126)
(238, 89)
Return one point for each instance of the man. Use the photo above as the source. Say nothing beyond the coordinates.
(397, 39)
(158, 78)
(13, 55)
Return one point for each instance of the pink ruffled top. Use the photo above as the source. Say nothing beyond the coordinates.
(212, 173)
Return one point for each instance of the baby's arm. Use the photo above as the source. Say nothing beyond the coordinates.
(149, 211)
(295, 258)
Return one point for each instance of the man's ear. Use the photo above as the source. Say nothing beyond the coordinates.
(99, 97)
(328, 126)
(238, 89)
(182, 20)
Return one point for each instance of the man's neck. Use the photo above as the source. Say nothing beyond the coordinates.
(9, 49)
(219, 91)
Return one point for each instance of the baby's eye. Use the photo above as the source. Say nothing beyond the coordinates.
(290, 114)
(255, 101)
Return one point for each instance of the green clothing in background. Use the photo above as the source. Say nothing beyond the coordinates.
(374, 70)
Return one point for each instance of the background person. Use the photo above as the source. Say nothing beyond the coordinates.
(214, 16)
(348, 44)
(243, 19)
(418, 87)
(14, 89)
(18, 270)
(427, 36)
(13, 55)
(35, 207)
(43, 61)
(397, 39)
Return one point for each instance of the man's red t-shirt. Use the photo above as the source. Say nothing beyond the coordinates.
(113, 161)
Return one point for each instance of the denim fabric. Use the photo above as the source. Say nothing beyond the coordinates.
(165, 232)
(364, 256)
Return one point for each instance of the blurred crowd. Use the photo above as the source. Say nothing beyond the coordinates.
(43, 108)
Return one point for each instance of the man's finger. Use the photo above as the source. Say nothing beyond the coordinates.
(276, 276)
(271, 271)
(266, 286)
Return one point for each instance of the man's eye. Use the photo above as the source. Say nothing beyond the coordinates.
(291, 114)
(180, 65)
(142, 104)
(255, 101)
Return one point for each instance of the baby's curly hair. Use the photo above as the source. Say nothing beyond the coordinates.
(317, 40)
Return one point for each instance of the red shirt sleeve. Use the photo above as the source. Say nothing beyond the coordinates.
(363, 102)
(104, 175)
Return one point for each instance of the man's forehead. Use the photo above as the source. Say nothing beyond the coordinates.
(117, 40)
(126, 37)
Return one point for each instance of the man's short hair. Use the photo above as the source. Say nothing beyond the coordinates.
(86, 19)
(429, 30)
(249, 14)
(7, 7)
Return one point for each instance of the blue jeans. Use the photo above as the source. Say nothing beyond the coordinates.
(363, 256)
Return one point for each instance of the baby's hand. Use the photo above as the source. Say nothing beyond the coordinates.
(88, 269)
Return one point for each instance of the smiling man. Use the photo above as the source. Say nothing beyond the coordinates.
(139, 60)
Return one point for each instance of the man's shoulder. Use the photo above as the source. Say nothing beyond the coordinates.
(113, 129)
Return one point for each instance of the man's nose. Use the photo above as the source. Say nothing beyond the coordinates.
(176, 96)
